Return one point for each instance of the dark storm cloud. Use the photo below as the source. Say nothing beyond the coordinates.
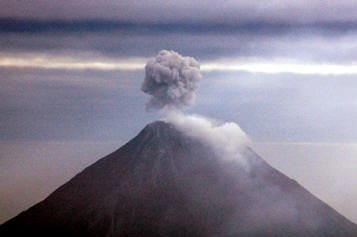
(180, 11)
(141, 28)
(18, 25)
(307, 46)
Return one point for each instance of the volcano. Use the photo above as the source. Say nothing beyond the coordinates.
(165, 183)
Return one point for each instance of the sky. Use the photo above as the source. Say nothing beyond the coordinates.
(70, 74)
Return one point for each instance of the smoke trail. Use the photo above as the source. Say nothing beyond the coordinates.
(171, 80)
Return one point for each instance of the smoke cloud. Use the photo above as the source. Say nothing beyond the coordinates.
(171, 79)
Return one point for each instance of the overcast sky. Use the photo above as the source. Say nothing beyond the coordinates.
(172, 11)
(71, 72)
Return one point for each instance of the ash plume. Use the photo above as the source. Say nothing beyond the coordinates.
(171, 79)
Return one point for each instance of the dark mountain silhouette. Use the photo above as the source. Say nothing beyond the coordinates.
(163, 183)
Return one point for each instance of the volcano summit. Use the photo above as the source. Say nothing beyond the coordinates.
(165, 183)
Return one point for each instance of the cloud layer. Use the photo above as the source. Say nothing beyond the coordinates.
(178, 11)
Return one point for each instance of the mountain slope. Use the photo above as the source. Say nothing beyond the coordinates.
(163, 183)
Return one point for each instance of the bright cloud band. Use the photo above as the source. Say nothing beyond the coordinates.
(136, 64)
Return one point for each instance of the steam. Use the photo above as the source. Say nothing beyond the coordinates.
(171, 80)
(227, 139)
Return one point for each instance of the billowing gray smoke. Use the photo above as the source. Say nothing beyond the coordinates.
(171, 80)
